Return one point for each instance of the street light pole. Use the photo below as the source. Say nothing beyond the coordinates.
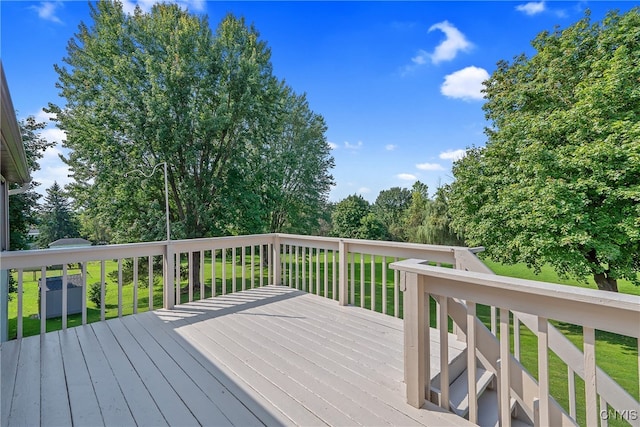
(166, 191)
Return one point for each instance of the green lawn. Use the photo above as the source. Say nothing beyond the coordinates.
(616, 355)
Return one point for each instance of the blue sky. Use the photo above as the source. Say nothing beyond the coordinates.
(397, 82)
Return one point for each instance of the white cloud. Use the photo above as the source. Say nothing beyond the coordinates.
(53, 135)
(454, 42)
(129, 6)
(453, 155)
(47, 11)
(350, 146)
(465, 84)
(531, 8)
(390, 147)
(364, 190)
(421, 57)
(42, 116)
(407, 177)
(429, 166)
(332, 145)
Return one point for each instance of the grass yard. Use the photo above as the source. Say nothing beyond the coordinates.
(616, 355)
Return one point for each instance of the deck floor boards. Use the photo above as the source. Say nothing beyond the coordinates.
(266, 356)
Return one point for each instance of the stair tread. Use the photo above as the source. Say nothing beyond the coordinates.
(459, 390)
(488, 411)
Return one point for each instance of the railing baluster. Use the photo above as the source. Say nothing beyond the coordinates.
(260, 269)
(19, 319)
(190, 274)
(178, 278)
(334, 274)
(306, 279)
(273, 251)
(384, 285)
(253, 273)
(286, 277)
(590, 386)
(298, 268)
(505, 357)
(103, 284)
(119, 287)
(65, 295)
(604, 420)
(543, 369)
(471, 361)
(571, 382)
(396, 291)
(135, 285)
(243, 262)
(43, 299)
(362, 283)
(318, 272)
(234, 265)
(373, 283)
(214, 262)
(291, 276)
(202, 294)
(494, 326)
(353, 279)
(516, 337)
(443, 321)
(224, 271)
(84, 292)
(310, 278)
(326, 273)
(150, 267)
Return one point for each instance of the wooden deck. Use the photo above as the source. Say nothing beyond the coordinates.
(269, 356)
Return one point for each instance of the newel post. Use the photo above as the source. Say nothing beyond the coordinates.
(416, 339)
(276, 261)
(168, 294)
(343, 249)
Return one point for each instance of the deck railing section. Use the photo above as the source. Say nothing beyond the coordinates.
(232, 264)
(611, 395)
(353, 271)
(587, 308)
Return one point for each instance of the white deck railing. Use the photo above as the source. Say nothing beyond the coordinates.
(359, 272)
(591, 309)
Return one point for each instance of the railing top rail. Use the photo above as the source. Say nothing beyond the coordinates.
(613, 312)
(379, 243)
(43, 257)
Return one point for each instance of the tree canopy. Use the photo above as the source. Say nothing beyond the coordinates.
(244, 152)
(558, 181)
(57, 221)
(22, 209)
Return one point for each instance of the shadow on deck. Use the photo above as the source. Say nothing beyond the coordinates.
(268, 356)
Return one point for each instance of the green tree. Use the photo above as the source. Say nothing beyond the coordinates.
(347, 217)
(57, 220)
(292, 169)
(416, 213)
(162, 87)
(390, 207)
(22, 207)
(559, 179)
(436, 228)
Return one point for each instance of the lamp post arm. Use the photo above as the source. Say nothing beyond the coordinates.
(166, 190)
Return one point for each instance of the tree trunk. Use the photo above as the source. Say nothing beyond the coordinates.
(195, 270)
(606, 283)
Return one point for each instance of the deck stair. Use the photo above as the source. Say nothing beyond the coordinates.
(486, 386)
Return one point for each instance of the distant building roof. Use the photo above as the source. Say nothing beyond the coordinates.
(69, 243)
(55, 283)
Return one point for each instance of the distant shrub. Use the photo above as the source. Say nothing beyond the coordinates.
(95, 293)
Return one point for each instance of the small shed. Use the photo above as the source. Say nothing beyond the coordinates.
(74, 242)
(53, 288)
